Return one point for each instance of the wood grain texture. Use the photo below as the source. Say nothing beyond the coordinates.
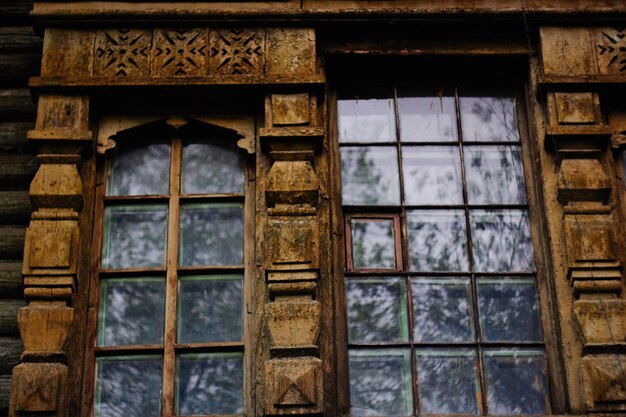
(13, 136)
(11, 243)
(8, 317)
(16, 102)
(16, 171)
(15, 207)
(10, 281)
(10, 350)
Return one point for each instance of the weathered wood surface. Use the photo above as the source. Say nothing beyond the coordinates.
(5, 392)
(16, 171)
(10, 351)
(10, 281)
(15, 207)
(8, 316)
(13, 135)
(11, 243)
(16, 102)
(21, 38)
(15, 12)
(19, 67)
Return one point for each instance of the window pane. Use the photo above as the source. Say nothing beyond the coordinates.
(367, 119)
(209, 383)
(516, 381)
(212, 168)
(132, 311)
(494, 175)
(210, 309)
(489, 119)
(441, 310)
(425, 118)
(134, 236)
(501, 241)
(380, 382)
(140, 171)
(509, 310)
(211, 234)
(373, 244)
(369, 175)
(128, 386)
(432, 175)
(437, 240)
(448, 381)
(377, 310)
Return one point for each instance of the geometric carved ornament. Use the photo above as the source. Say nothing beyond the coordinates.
(122, 52)
(612, 51)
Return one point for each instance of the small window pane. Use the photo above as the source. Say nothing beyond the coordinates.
(132, 311)
(373, 244)
(448, 381)
(426, 118)
(380, 382)
(489, 119)
(377, 310)
(367, 119)
(209, 383)
(509, 310)
(369, 175)
(432, 175)
(494, 175)
(134, 236)
(140, 171)
(211, 234)
(437, 240)
(210, 309)
(442, 310)
(212, 168)
(501, 241)
(516, 381)
(128, 386)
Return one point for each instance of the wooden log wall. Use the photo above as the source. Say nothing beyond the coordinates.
(20, 54)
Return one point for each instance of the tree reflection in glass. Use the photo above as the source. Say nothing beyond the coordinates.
(442, 310)
(366, 119)
(373, 244)
(210, 309)
(212, 168)
(128, 386)
(380, 382)
(377, 310)
(448, 381)
(132, 311)
(139, 170)
(426, 119)
(369, 175)
(437, 240)
(209, 383)
(489, 119)
(432, 175)
(134, 236)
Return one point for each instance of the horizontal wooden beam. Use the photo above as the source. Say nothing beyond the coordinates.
(15, 207)
(13, 135)
(11, 242)
(8, 316)
(10, 351)
(16, 102)
(11, 283)
(16, 171)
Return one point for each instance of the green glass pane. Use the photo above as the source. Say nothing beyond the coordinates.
(373, 244)
(486, 118)
(509, 310)
(380, 382)
(210, 309)
(139, 170)
(448, 381)
(426, 116)
(132, 311)
(212, 168)
(377, 310)
(369, 118)
(369, 175)
(128, 386)
(516, 381)
(134, 236)
(442, 310)
(432, 175)
(209, 383)
(211, 234)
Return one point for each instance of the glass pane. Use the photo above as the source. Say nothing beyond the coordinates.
(494, 175)
(427, 117)
(509, 309)
(373, 244)
(437, 240)
(139, 170)
(369, 175)
(377, 310)
(212, 168)
(210, 309)
(380, 382)
(501, 241)
(132, 311)
(128, 386)
(489, 119)
(367, 119)
(441, 310)
(134, 236)
(432, 175)
(448, 381)
(209, 383)
(211, 234)
(516, 381)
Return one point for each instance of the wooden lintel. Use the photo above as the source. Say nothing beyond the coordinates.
(581, 82)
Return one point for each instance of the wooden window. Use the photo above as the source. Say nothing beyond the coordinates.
(170, 294)
(441, 283)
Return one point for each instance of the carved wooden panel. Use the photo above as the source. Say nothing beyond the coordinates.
(237, 51)
(611, 43)
(294, 385)
(181, 52)
(122, 52)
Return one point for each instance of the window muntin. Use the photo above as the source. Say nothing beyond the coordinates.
(449, 326)
(170, 333)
